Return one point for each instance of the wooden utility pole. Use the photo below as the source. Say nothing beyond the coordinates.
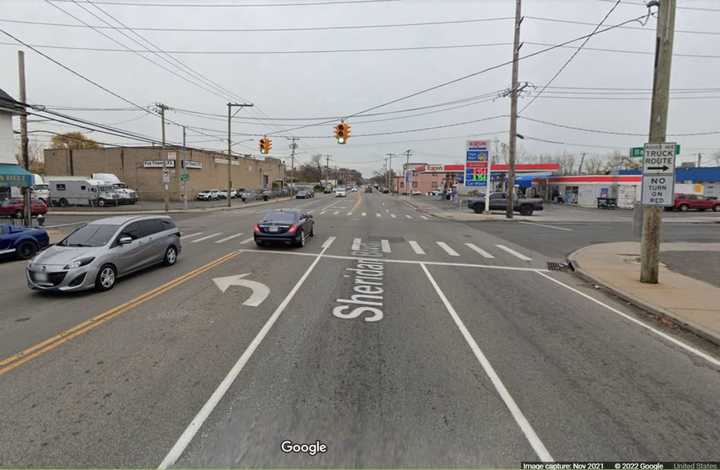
(229, 141)
(513, 112)
(389, 172)
(166, 182)
(293, 147)
(327, 170)
(183, 136)
(652, 215)
(27, 208)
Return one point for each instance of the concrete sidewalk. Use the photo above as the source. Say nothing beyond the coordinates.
(687, 302)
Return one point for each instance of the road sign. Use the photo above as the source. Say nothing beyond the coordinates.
(476, 159)
(658, 190)
(659, 159)
(184, 177)
(639, 152)
(166, 176)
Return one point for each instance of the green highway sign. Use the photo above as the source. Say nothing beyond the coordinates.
(184, 177)
(639, 152)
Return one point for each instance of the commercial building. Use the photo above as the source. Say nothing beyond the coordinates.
(141, 168)
(12, 176)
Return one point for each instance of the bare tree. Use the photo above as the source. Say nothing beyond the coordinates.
(594, 165)
(716, 156)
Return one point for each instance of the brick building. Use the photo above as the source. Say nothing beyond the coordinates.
(141, 169)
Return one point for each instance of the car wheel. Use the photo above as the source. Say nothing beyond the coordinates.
(26, 250)
(63, 202)
(526, 210)
(170, 256)
(18, 215)
(716, 208)
(101, 203)
(106, 277)
(300, 239)
(684, 208)
(259, 243)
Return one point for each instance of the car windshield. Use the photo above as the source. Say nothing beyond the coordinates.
(280, 217)
(90, 235)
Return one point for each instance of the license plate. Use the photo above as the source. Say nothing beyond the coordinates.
(41, 277)
(273, 229)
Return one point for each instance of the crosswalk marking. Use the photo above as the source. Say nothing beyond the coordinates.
(189, 235)
(514, 253)
(228, 238)
(355, 244)
(364, 214)
(387, 210)
(393, 216)
(349, 213)
(385, 246)
(378, 215)
(248, 240)
(447, 249)
(408, 216)
(423, 217)
(416, 247)
(207, 237)
(336, 212)
(321, 213)
(479, 250)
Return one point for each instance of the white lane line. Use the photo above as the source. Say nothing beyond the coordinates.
(322, 212)
(416, 247)
(191, 235)
(447, 249)
(202, 415)
(520, 419)
(423, 217)
(387, 210)
(385, 245)
(393, 216)
(228, 238)
(548, 226)
(408, 216)
(479, 250)
(514, 253)
(364, 214)
(247, 240)
(665, 336)
(356, 244)
(336, 212)
(349, 213)
(207, 237)
(378, 215)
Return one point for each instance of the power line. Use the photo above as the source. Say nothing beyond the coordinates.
(572, 56)
(236, 5)
(634, 28)
(272, 30)
(629, 3)
(470, 75)
(607, 132)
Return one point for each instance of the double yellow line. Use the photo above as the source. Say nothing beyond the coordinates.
(10, 363)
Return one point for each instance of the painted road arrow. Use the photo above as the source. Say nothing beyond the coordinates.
(663, 168)
(260, 291)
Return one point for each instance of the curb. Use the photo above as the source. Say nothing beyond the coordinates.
(172, 211)
(653, 310)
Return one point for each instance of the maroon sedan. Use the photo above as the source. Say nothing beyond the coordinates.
(13, 207)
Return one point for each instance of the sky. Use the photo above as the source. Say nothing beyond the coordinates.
(603, 90)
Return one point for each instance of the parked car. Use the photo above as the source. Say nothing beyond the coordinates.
(23, 242)
(125, 194)
(13, 207)
(222, 194)
(498, 201)
(268, 194)
(290, 226)
(368, 189)
(95, 255)
(303, 194)
(354, 189)
(207, 195)
(328, 190)
(253, 195)
(340, 192)
(40, 189)
(685, 202)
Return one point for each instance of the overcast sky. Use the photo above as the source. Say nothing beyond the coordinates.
(340, 84)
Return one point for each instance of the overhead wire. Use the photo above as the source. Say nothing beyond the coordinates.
(238, 5)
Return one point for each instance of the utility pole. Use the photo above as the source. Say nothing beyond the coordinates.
(513, 112)
(229, 140)
(293, 147)
(582, 160)
(184, 137)
(699, 160)
(27, 209)
(407, 153)
(652, 215)
(327, 170)
(389, 171)
(165, 175)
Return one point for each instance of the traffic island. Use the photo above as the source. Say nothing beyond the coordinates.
(677, 299)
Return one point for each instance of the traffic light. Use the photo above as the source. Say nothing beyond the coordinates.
(342, 132)
(265, 145)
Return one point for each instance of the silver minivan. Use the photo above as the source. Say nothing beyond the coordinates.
(97, 254)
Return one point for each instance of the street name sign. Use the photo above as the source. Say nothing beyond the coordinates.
(639, 152)
(658, 180)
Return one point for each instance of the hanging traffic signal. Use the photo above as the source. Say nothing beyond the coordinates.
(342, 132)
(265, 145)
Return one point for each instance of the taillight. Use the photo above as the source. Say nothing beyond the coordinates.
(256, 228)
(292, 228)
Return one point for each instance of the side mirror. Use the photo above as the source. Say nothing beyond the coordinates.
(124, 240)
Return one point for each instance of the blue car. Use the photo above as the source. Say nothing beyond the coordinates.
(23, 242)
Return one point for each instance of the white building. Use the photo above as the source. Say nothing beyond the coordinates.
(12, 175)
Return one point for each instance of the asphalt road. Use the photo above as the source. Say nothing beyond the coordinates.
(393, 338)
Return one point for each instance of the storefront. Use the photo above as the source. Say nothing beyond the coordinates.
(585, 190)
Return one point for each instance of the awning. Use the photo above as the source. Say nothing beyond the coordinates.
(525, 181)
(14, 175)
